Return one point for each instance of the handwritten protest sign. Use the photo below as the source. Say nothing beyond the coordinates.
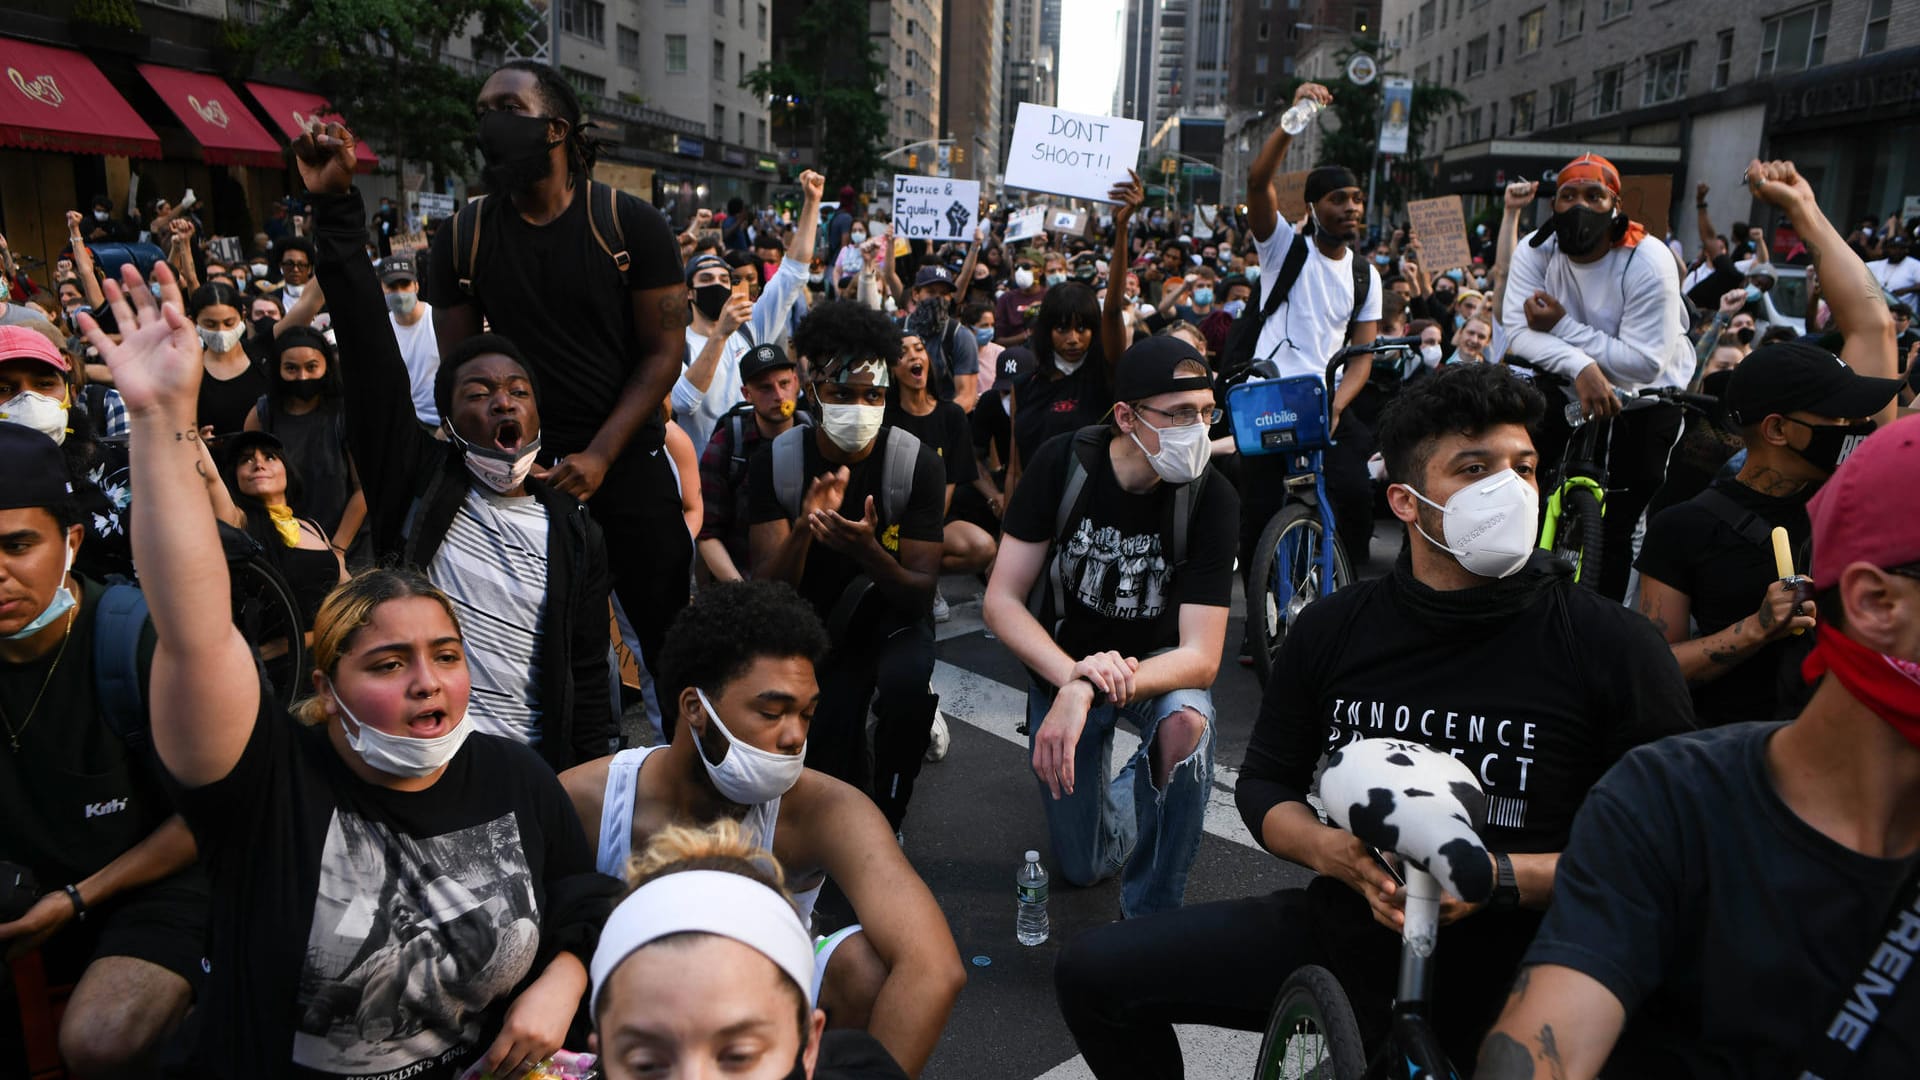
(1441, 225)
(225, 248)
(934, 208)
(1026, 224)
(1070, 153)
(1647, 200)
(1067, 222)
(425, 205)
(1290, 195)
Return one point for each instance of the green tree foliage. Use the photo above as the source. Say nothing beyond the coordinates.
(379, 64)
(112, 14)
(827, 83)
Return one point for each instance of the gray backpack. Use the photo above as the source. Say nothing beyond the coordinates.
(902, 452)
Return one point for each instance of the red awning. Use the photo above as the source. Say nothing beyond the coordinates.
(213, 111)
(55, 99)
(291, 109)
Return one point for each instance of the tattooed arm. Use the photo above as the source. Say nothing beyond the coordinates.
(1559, 1024)
(1704, 659)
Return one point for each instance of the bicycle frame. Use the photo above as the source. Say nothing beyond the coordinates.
(1412, 1049)
(1304, 471)
(1550, 528)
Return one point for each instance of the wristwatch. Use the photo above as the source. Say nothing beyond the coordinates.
(1506, 889)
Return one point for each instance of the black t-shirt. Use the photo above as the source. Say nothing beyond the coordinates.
(1696, 551)
(828, 572)
(553, 291)
(1043, 408)
(73, 797)
(1121, 589)
(223, 403)
(1726, 926)
(1536, 685)
(991, 427)
(945, 430)
(359, 931)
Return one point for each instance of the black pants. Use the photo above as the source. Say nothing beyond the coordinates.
(648, 550)
(1263, 491)
(1636, 451)
(1123, 986)
(891, 673)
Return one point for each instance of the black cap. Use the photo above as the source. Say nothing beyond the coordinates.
(36, 469)
(1147, 369)
(240, 443)
(763, 357)
(1794, 377)
(933, 274)
(1014, 363)
(397, 268)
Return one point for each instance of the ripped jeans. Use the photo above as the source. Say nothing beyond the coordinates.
(1122, 824)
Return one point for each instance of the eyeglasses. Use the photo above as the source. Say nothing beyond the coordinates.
(294, 264)
(1186, 417)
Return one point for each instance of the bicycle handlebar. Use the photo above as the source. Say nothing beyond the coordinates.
(1377, 345)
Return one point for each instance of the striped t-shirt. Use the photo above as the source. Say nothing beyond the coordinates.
(493, 566)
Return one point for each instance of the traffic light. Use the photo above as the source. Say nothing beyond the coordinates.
(913, 162)
(959, 153)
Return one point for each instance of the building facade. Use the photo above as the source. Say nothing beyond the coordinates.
(971, 80)
(1689, 91)
(907, 34)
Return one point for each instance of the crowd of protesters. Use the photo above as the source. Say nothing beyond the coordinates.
(387, 830)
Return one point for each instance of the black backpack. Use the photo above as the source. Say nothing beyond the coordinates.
(734, 422)
(603, 220)
(1244, 335)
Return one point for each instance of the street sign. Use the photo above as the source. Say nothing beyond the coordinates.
(1193, 168)
(1361, 69)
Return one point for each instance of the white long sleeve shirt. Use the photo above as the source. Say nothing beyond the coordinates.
(699, 411)
(1624, 313)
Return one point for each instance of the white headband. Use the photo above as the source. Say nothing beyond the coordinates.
(706, 902)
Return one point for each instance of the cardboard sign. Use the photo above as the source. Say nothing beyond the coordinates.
(409, 242)
(1026, 224)
(934, 208)
(1067, 222)
(1290, 195)
(1070, 153)
(1441, 226)
(225, 248)
(1647, 200)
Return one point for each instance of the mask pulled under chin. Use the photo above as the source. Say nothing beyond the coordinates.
(500, 470)
(1490, 525)
(400, 755)
(1889, 686)
(748, 775)
(61, 603)
(851, 427)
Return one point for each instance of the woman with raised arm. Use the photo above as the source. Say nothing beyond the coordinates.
(392, 893)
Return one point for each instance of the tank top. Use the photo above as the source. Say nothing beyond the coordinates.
(616, 824)
(223, 403)
(316, 445)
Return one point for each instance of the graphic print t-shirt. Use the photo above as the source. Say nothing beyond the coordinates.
(360, 932)
(1120, 586)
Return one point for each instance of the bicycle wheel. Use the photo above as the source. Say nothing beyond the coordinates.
(1312, 1034)
(1288, 577)
(269, 618)
(1579, 539)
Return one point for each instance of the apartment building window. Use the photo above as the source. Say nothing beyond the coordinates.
(743, 72)
(1449, 139)
(1562, 103)
(719, 121)
(677, 54)
(1443, 14)
(1666, 75)
(1723, 60)
(1470, 126)
(720, 9)
(742, 13)
(1423, 73)
(1520, 114)
(1879, 17)
(1477, 56)
(1426, 18)
(584, 19)
(1573, 18)
(1615, 9)
(1500, 45)
(1260, 64)
(760, 134)
(762, 22)
(590, 86)
(1533, 27)
(1260, 32)
(1794, 41)
(1606, 89)
(629, 46)
(1493, 120)
(1454, 79)
(720, 60)
(740, 128)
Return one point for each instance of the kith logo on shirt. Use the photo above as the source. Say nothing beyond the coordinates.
(102, 809)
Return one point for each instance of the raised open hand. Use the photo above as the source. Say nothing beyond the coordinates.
(324, 155)
(1129, 196)
(156, 363)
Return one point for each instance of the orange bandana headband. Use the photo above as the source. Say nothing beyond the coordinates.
(1592, 168)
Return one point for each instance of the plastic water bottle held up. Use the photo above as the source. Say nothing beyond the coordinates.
(1030, 926)
(1295, 120)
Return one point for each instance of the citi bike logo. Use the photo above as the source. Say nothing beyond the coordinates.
(102, 809)
(1276, 419)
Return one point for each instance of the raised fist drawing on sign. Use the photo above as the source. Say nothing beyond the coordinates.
(959, 216)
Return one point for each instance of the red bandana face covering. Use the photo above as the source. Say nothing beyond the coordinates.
(1887, 685)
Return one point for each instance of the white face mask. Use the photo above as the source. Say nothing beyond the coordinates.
(1430, 353)
(748, 775)
(851, 427)
(60, 604)
(1068, 367)
(220, 341)
(400, 755)
(857, 236)
(293, 291)
(497, 469)
(258, 270)
(32, 409)
(1490, 525)
(1184, 451)
(1023, 278)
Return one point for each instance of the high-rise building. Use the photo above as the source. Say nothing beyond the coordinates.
(1031, 65)
(1263, 52)
(971, 82)
(1133, 91)
(908, 36)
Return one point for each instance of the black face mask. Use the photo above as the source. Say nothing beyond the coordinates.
(1715, 385)
(263, 327)
(710, 300)
(301, 389)
(1582, 231)
(514, 148)
(1831, 444)
(1744, 335)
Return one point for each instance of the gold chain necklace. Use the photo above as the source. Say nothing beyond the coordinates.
(13, 733)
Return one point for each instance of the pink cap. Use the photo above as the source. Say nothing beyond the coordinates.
(24, 343)
(1862, 513)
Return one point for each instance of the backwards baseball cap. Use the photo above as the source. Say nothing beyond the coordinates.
(933, 274)
(1147, 368)
(703, 262)
(1590, 168)
(763, 357)
(396, 268)
(1859, 515)
(24, 343)
(36, 469)
(1790, 376)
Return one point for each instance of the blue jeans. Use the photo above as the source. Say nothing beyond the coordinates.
(1123, 824)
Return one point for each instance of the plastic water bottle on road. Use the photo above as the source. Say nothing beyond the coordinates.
(1295, 120)
(1030, 926)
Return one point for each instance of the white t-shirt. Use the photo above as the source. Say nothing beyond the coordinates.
(699, 412)
(420, 348)
(1311, 325)
(493, 566)
(1622, 312)
(1893, 277)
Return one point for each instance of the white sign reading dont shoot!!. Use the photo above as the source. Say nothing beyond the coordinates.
(1070, 153)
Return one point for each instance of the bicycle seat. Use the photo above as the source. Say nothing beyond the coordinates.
(1415, 801)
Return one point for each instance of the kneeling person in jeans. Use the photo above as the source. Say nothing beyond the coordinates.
(1130, 537)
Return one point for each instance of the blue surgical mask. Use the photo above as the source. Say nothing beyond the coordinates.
(1456, 275)
(1203, 296)
(1753, 294)
(61, 603)
(1382, 260)
(983, 334)
(1233, 308)
(1056, 279)
(1253, 273)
